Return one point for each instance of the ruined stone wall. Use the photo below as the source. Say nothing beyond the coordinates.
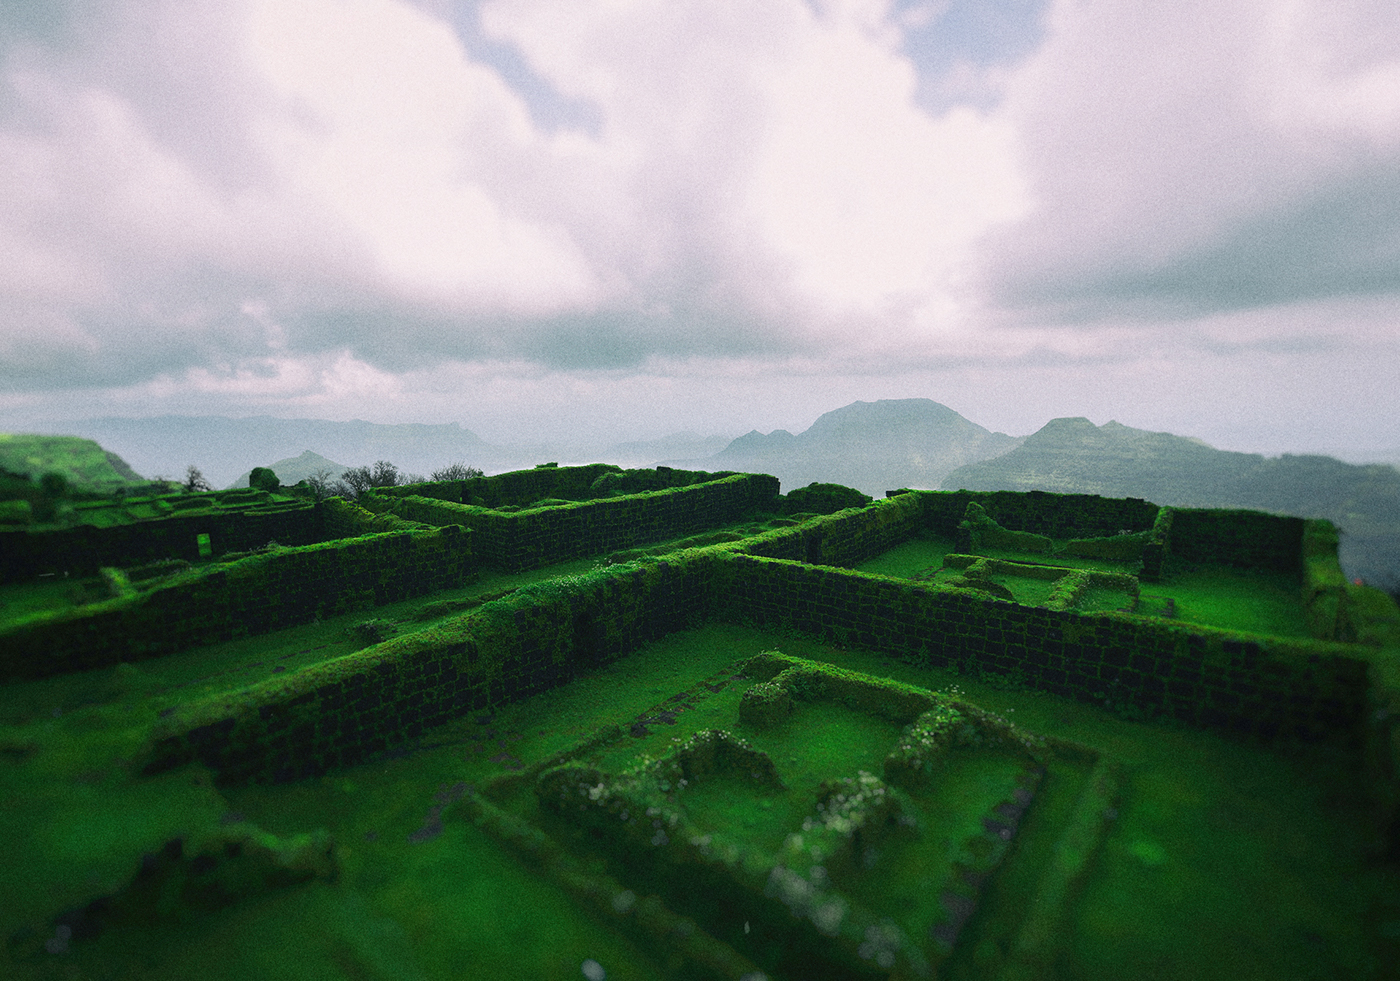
(529, 539)
(253, 595)
(845, 538)
(83, 549)
(1055, 515)
(1247, 539)
(1270, 688)
(351, 709)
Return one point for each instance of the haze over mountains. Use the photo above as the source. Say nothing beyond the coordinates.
(873, 446)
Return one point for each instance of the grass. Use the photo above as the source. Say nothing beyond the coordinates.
(1252, 600)
(1226, 862)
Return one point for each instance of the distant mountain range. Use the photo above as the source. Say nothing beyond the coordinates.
(223, 447)
(872, 446)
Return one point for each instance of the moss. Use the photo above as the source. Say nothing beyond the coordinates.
(981, 532)
(765, 704)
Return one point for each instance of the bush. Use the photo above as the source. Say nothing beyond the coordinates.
(264, 479)
(818, 498)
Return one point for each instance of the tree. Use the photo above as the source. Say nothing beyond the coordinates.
(357, 481)
(195, 482)
(320, 484)
(457, 471)
(385, 475)
(263, 478)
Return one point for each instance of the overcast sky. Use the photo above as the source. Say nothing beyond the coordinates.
(624, 218)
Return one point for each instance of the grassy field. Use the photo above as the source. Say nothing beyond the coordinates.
(1220, 860)
(1225, 861)
(1258, 601)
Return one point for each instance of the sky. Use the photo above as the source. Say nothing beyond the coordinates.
(619, 219)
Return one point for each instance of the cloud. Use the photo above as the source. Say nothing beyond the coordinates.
(1201, 156)
(390, 207)
(751, 180)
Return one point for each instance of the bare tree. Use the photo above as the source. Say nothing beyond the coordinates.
(195, 483)
(357, 481)
(320, 484)
(457, 471)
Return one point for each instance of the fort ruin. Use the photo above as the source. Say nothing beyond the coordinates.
(816, 799)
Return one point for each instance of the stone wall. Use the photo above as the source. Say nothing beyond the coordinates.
(845, 538)
(83, 549)
(356, 707)
(1270, 688)
(1055, 515)
(529, 539)
(1247, 539)
(254, 595)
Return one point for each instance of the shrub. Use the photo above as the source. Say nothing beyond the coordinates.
(264, 479)
(817, 498)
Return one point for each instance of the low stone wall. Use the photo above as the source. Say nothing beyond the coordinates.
(254, 595)
(353, 708)
(845, 538)
(83, 549)
(529, 539)
(1269, 688)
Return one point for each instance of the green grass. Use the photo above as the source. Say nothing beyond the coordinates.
(1255, 600)
(1252, 600)
(81, 461)
(1226, 862)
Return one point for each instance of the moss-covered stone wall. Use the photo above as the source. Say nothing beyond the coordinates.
(253, 595)
(351, 709)
(1269, 688)
(1247, 539)
(524, 487)
(1055, 515)
(845, 538)
(83, 549)
(532, 538)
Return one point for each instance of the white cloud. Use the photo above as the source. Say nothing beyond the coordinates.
(1180, 161)
(394, 131)
(310, 205)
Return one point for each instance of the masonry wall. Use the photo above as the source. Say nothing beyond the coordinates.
(845, 538)
(530, 539)
(523, 487)
(1248, 539)
(1268, 688)
(1055, 515)
(253, 595)
(357, 707)
(83, 549)
(514, 487)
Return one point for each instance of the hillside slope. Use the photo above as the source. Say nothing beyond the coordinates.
(294, 469)
(86, 465)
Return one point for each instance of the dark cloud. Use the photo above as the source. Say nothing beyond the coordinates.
(1341, 241)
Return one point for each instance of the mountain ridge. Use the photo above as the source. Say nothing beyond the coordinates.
(872, 446)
